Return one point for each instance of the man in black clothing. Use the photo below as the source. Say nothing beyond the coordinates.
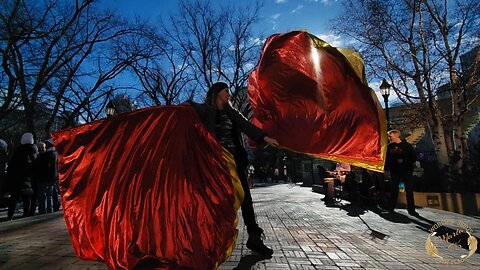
(226, 123)
(399, 162)
(46, 173)
(55, 193)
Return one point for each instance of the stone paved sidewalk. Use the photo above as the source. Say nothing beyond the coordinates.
(304, 233)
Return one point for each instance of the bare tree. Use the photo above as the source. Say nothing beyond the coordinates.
(448, 40)
(81, 104)
(416, 44)
(217, 42)
(48, 47)
(243, 53)
(85, 95)
(165, 75)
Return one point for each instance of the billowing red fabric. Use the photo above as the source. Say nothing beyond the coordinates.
(308, 97)
(148, 189)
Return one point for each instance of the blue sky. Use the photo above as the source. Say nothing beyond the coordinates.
(310, 15)
(277, 16)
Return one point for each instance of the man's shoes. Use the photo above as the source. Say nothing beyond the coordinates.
(255, 243)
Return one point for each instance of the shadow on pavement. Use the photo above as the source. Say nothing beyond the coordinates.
(353, 210)
(247, 262)
(422, 223)
(394, 217)
(374, 233)
(357, 210)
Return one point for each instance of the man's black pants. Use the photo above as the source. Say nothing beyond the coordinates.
(396, 178)
(248, 213)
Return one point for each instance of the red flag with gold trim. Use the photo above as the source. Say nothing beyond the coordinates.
(313, 98)
(149, 188)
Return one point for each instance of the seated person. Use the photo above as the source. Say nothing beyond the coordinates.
(342, 169)
(348, 179)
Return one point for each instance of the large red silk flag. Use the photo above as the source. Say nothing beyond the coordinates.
(149, 189)
(313, 98)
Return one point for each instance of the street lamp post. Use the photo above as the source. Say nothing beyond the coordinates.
(110, 108)
(385, 90)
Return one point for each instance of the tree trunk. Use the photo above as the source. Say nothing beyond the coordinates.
(457, 101)
(30, 119)
(439, 139)
(466, 149)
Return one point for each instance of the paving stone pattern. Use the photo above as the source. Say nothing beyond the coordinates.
(302, 230)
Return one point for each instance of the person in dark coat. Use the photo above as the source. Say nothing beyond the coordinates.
(322, 174)
(399, 163)
(20, 176)
(227, 124)
(3, 166)
(46, 173)
(52, 152)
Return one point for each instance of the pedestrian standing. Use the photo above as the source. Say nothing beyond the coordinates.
(45, 172)
(399, 164)
(3, 166)
(20, 176)
(52, 152)
(276, 175)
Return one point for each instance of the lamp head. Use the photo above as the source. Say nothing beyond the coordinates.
(110, 108)
(385, 88)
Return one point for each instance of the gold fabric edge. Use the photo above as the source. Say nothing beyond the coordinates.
(239, 195)
(383, 130)
(370, 165)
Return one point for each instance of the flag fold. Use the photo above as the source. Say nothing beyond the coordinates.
(313, 98)
(149, 189)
